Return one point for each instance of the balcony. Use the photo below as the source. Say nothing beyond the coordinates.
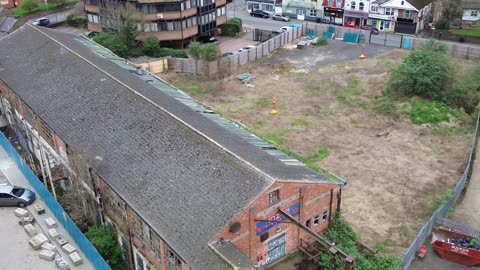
(95, 27)
(171, 35)
(92, 9)
(171, 15)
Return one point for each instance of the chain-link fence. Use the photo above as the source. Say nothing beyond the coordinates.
(441, 212)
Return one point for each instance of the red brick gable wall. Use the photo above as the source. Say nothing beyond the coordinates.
(306, 199)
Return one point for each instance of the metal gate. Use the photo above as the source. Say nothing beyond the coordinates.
(276, 247)
(387, 39)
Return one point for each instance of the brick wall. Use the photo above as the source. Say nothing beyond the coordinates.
(312, 199)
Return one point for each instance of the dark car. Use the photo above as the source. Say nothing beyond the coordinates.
(370, 28)
(208, 39)
(260, 14)
(15, 196)
(41, 22)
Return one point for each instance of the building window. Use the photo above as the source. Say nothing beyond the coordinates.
(307, 223)
(387, 25)
(264, 237)
(92, 18)
(316, 220)
(330, 3)
(353, 5)
(325, 215)
(374, 23)
(47, 133)
(408, 14)
(339, 3)
(474, 13)
(274, 197)
(361, 6)
(389, 11)
(374, 8)
(174, 261)
(313, 13)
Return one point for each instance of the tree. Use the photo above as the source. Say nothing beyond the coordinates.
(113, 43)
(210, 52)
(122, 18)
(428, 74)
(151, 46)
(104, 239)
(451, 10)
(30, 5)
(194, 49)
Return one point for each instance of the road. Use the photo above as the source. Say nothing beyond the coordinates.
(238, 9)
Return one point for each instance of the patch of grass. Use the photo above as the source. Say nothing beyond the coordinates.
(451, 131)
(258, 125)
(260, 103)
(319, 155)
(387, 106)
(357, 153)
(380, 246)
(438, 200)
(343, 157)
(467, 31)
(347, 95)
(276, 137)
(283, 69)
(194, 88)
(42, 6)
(300, 122)
(428, 112)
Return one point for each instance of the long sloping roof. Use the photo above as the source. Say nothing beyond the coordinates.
(475, 4)
(184, 174)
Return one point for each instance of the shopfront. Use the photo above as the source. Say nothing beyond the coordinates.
(333, 15)
(383, 23)
(354, 19)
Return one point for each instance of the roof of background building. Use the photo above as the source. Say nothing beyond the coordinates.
(6, 24)
(184, 174)
(471, 4)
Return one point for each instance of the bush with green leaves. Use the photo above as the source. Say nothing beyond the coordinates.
(207, 52)
(151, 46)
(113, 43)
(427, 74)
(80, 22)
(104, 239)
(232, 27)
(322, 41)
(345, 239)
(30, 5)
(433, 45)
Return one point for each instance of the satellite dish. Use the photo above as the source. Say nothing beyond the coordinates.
(235, 227)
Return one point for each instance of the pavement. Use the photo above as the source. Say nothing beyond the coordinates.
(17, 247)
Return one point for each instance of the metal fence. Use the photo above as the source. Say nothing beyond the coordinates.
(85, 246)
(441, 212)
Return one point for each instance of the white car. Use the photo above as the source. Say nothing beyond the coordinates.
(280, 17)
(285, 28)
(247, 48)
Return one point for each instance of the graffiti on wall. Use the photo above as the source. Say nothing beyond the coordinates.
(263, 226)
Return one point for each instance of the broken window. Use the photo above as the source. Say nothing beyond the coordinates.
(264, 237)
(274, 197)
(325, 215)
(307, 223)
(316, 221)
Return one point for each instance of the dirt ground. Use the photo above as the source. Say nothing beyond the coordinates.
(393, 167)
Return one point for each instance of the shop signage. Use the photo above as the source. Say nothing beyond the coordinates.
(333, 10)
(381, 17)
(356, 14)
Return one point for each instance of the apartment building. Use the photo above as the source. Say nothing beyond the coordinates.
(174, 23)
(184, 188)
(356, 13)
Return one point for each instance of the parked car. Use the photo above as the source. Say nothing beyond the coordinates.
(228, 54)
(280, 17)
(370, 28)
(15, 196)
(260, 14)
(294, 25)
(208, 39)
(285, 28)
(249, 47)
(41, 22)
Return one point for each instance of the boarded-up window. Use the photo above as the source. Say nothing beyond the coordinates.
(29, 115)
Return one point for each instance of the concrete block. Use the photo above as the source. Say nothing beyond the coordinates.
(51, 223)
(47, 255)
(61, 263)
(30, 229)
(37, 241)
(20, 212)
(53, 233)
(26, 220)
(39, 209)
(61, 241)
(69, 248)
(49, 246)
(76, 259)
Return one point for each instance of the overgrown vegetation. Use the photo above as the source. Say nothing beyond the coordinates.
(431, 74)
(32, 6)
(232, 27)
(319, 155)
(104, 239)
(207, 52)
(322, 41)
(300, 122)
(349, 94)
(80, 22)
(345, 239)
(438, 200)
(276, 137)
